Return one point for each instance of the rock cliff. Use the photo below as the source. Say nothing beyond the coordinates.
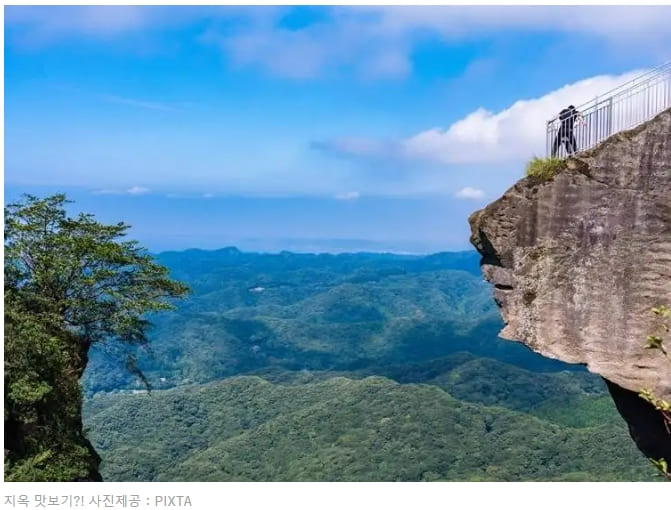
(579, 261)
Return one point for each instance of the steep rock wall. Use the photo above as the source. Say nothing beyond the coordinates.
(579, 261)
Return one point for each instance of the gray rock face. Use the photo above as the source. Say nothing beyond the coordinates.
(579, 261)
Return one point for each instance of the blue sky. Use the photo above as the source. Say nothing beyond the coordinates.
(301, 128)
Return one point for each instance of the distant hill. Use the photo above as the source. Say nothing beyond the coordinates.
(250, 311)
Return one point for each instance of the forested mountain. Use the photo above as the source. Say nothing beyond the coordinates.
(323, 427)
(347, 367)
(250, 311)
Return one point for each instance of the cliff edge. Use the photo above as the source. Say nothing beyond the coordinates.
(580, 260)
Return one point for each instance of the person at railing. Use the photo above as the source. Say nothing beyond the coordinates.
(567, 119)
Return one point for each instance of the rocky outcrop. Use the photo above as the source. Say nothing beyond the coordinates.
(579, 261)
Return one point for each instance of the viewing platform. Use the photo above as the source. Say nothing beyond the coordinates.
(622, 108)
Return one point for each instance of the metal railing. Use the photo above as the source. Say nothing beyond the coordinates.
(624, 107)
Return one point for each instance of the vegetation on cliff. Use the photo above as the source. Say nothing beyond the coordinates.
(544, 168)
(69, 283)
(657, 341)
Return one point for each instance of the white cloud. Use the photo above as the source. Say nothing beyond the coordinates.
(94, 20)
(454, 22)
(137, 190)
(36, 26)
(461, 22)
(388, 63)
(133, 190)
(284, 52)
(378, 41)
(373, 41)
(469, 193)
(516, 133)
(349, 195)
(344, 39)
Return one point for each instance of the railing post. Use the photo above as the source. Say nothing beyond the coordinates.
(595, 130)
(548, 138)
(610, 116)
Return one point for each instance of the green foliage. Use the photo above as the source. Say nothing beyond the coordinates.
(658, 403)
(662, 311)
(43, 440)
(663, 467)
(544, 168)
(78, 268)
(656, 341)
(69, 283)
(342, 429)
(579, 411)
(490, 382)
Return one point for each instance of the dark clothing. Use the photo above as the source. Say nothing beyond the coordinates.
(569, 143)
(567, 118)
